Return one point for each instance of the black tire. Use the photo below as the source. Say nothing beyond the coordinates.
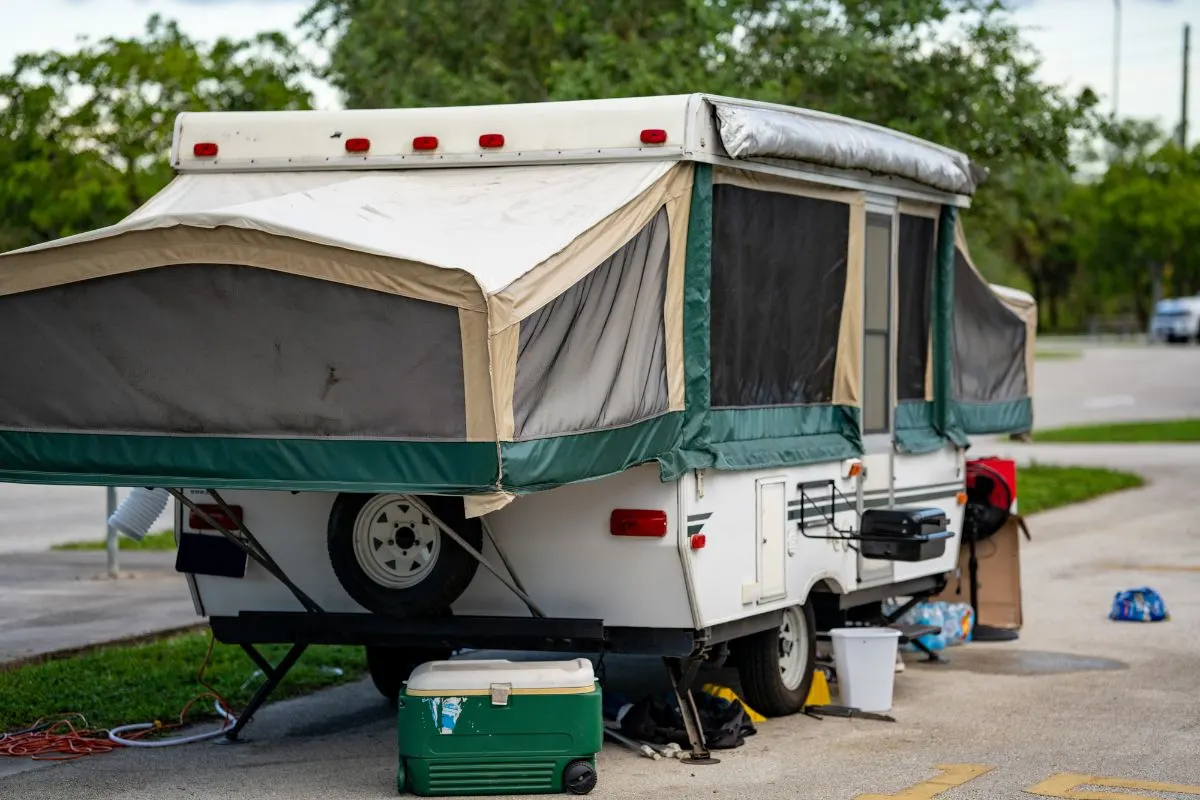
(579, 777)
(390, 666)
(758, 666)
(448, 578)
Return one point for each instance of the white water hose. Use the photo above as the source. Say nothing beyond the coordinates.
(139, 511)
(115, 734)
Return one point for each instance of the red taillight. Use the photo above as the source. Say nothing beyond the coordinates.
(654, 136)
(636, 522)
(198, 523)
(204, 149)
(698, 540)
(425, 143)
(358, 145)
(491, 140)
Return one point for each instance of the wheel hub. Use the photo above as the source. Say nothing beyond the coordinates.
(396, 544)
(793, 648)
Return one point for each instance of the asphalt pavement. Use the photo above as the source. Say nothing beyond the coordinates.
(1078, 701)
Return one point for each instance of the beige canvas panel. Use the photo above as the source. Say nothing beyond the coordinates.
(477, 379)
(929, 369)
(915, 208)
(564, 269)
(847, 370)
(503, 348)
(767, 182)
(478, 505)
(1026, 312)
(679, 211)
(177, 245)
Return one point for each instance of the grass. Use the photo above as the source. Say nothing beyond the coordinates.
(1176, 430)
(1057, 354)
(124, 684)
(1041, 488)
(159, 540)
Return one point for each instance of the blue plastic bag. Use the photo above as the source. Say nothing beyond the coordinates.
(1138, 605)
(955, 622)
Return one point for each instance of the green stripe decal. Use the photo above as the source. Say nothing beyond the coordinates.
(204, 462)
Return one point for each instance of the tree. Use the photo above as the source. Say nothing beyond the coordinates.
(393, 53)
(87, 134)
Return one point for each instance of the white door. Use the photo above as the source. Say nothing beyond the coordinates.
(772, 539)
(878, 372)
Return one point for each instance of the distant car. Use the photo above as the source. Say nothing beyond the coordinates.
(1176, 319)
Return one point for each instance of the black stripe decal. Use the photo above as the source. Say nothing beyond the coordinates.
(813, 512)
(935, 489)
(699, 517)
(695, 528)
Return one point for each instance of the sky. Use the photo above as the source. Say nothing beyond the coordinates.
(1075, 38)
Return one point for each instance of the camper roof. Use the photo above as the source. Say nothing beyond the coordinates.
(757, 136)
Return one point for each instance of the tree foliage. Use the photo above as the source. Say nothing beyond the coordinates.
(86, 135)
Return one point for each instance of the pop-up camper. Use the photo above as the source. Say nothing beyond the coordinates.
(681, 373)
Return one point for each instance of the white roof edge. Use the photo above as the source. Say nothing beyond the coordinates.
(569, 131)
(1015, 294)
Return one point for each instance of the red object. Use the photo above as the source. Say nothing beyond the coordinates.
(698, 541)
(204, 149)
(491, 140)
(638, 522)
(654, 136)
(1007, 469)
(196, 522)
(358, 145)
(425, 143)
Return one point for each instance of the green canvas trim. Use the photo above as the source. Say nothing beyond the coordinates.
(943, 323)
(554, 461)
(750, 438)
(915, 429)
(697, 292)
(1007, 416)
(209, 462)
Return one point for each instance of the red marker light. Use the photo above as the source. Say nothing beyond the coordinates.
(358, 145)
(425, 143)
(698, 541)
(204, 149)
(637, 522)
(491, 140)
(654, 136)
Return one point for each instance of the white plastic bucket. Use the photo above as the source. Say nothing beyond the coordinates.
(865, 660)
(139, 511)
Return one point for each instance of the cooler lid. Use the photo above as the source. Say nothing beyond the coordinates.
(478, 677)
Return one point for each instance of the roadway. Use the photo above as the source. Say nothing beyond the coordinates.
(1078, 700)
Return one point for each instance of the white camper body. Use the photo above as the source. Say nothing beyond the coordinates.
(647, 497)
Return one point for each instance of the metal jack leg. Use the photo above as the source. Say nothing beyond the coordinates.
(273, 676)
(683, 674)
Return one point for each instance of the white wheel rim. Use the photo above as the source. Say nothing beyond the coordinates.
(396, 545)
(793, 648)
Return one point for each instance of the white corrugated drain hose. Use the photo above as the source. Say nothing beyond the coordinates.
(115, 734)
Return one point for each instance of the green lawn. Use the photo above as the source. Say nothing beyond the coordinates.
(1175, 430)
(1040, 487)
(1056, 354)
(159, 540)
(153, 681)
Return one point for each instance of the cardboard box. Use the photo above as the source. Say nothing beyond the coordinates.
(999, 577)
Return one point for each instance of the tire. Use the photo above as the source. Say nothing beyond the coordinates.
(770, 686)
(390, 667)
(392, 560)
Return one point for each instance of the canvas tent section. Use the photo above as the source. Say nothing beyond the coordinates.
(404, 331)
(992, 343)
(772, 317)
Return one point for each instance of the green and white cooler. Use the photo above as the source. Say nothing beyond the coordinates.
(500, 727)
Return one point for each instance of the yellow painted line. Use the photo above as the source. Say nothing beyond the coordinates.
(1150, 567)
(1066, 785)
(952, 775)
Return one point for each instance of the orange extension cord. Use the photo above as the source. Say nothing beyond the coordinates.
(63, 741)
